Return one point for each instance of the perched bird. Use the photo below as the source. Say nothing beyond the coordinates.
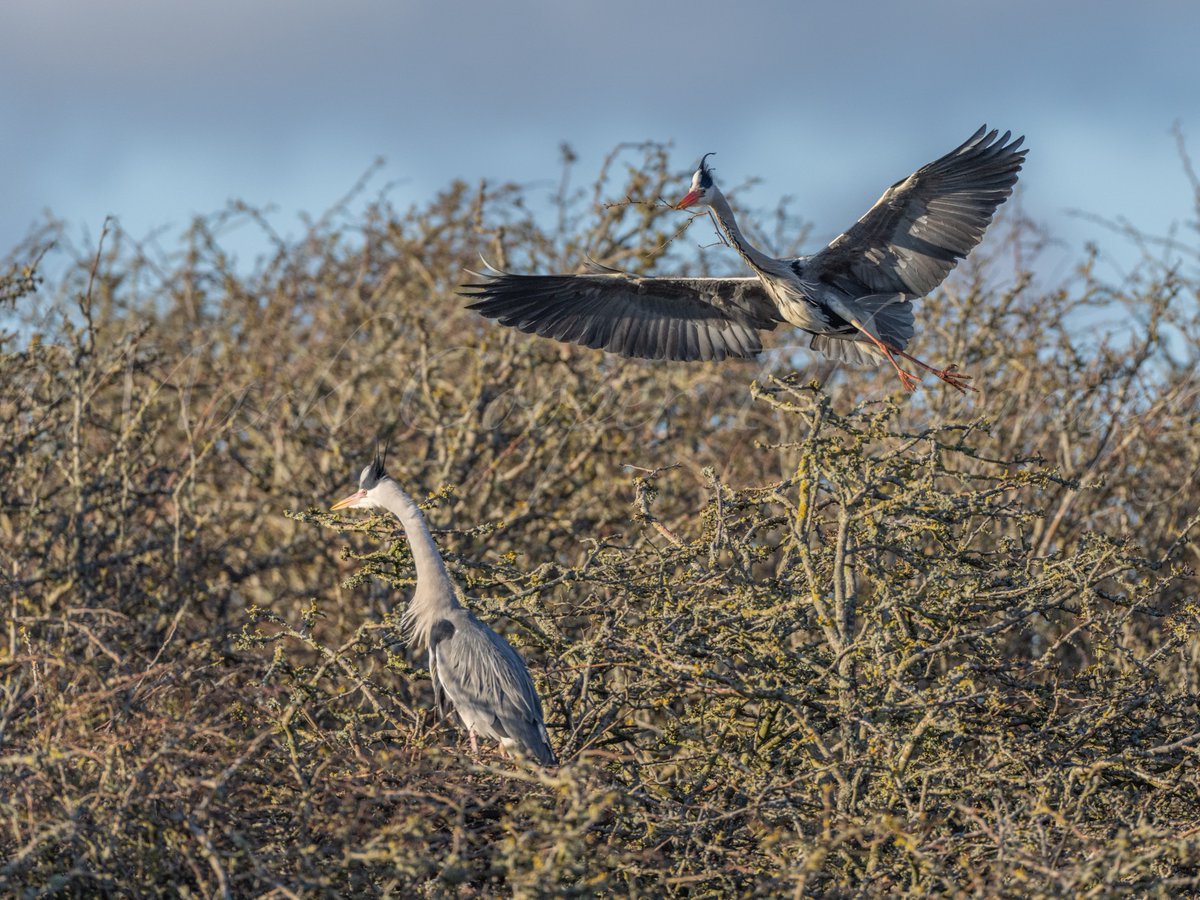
(854, 297)
(472, 667)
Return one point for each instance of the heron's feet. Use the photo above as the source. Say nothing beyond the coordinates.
(955, 379)
(910, 383)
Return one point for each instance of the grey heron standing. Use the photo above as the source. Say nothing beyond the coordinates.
(854, 297)
(479, 672)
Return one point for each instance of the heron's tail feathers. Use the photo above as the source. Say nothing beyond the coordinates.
(888, 317)
(853, 351)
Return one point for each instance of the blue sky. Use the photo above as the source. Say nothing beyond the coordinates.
(155, 111)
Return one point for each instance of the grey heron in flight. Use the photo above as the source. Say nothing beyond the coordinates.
(854, 297)
(471, 666)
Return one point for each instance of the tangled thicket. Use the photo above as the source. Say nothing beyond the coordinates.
(794, 632)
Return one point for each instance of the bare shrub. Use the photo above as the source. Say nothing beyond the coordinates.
(790, 636)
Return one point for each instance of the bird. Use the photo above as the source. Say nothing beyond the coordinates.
(854, 297)
(476, 670)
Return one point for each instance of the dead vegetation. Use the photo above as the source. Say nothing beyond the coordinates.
(790, 638)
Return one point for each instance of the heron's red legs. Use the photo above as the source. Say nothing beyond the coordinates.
(474, 743)
(906, 378)
(948, 375)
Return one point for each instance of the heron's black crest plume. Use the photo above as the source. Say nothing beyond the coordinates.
(375, 472)
(705, 172)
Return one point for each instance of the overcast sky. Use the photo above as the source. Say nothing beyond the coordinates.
(154, 111)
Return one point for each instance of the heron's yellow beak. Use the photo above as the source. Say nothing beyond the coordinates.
(348, 501)
(688, 199)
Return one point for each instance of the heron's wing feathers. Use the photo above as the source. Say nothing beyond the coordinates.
(650, 318)
(439, 693)
(490, 687)
(923, 225)
(438, 634)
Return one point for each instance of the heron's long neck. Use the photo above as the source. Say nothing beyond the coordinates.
(754, 257)
(434, 587)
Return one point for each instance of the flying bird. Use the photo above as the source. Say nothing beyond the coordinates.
(471, 666)
(854, 297)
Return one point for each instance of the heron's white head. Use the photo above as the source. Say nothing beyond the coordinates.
(702, 188)
(367, 495)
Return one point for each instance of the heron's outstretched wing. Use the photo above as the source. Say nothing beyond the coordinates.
(490, 687)
(923, 225)
(650, 318)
